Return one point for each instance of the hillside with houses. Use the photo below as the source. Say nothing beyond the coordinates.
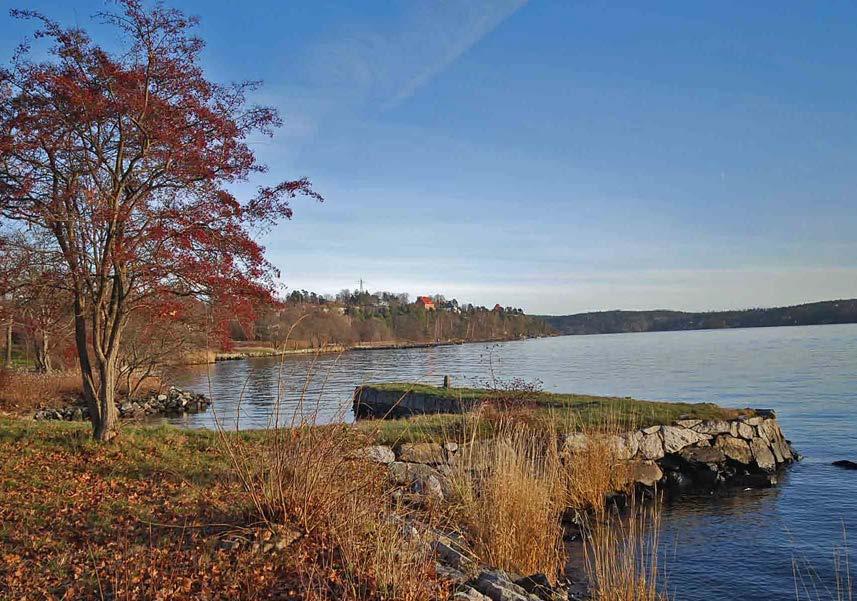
(358, 317)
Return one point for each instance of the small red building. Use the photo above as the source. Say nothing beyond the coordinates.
(426, 303)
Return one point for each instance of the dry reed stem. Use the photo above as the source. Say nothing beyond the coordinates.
(310, 477)
(621, 554)
(509, 499)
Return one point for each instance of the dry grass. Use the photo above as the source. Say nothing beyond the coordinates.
(25, 391)
(509, 500)
(594, 471)
(622, 555)
(22, 391)
(310, 478)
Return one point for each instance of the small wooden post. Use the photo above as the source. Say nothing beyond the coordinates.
(446, 381)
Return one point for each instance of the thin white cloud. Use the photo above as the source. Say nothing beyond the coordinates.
(381, 66)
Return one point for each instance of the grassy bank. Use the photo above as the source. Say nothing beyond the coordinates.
(545, 410)
(163, 513)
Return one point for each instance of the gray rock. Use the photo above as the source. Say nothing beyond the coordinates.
(162, 397)
(677, 438)
(497, 586)
(376, 454)
(651, 430)
(625, 446)
(645, 473)
(763, 455)
(753, 421)
(450, 553)
(714, 427)
(709, 455)
(688, 423)
(469, 593)
(769, 430)
(742, 430)
(448, 573)
(734, 448)
(429, 487)
(575, 442)
(407, 474)
(651, 446)
(781, 450)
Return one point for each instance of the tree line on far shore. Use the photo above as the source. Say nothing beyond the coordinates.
(310, 320)
(614, 322)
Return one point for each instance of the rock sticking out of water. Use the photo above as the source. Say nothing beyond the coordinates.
(845, 464)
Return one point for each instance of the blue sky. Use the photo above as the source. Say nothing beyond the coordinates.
(558, 156)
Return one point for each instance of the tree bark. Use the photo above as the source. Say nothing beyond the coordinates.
(43, 358)
(7, 359)
(99, 393)
(105, 429)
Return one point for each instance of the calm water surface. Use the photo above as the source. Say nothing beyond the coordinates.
(739, 546)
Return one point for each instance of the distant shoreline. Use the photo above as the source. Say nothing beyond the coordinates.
(626, 322)
(238, 354)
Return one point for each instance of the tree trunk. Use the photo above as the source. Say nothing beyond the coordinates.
(100, 394)
(7, 359)
(43, 359)
(105, 427)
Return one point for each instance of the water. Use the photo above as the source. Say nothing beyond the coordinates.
(739, 546)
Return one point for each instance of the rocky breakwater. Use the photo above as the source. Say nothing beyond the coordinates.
(171, 403)
(749, 450)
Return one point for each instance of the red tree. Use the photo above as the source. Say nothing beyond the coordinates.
(126, 160)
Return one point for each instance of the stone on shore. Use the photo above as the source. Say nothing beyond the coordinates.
(676, 438)
(429, 453)
(376, 454)
(645, 473)
(651, 446)
(734, 448)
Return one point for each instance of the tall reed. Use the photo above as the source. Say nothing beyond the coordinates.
(621, 554)
(811, 586)
(509, 498)
(357, 544)
(595, 469)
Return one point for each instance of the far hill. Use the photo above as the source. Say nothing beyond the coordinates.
(612, 322)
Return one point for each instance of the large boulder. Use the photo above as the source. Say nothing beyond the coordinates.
(429, 453)
(625, 446)
(420, 478)
(736, 449)
(713, 427)
(711, 456)
(497, 586)
(739, 429)
(651, 446)
(676, 438)
(646, 473)
(376, 454)
(762, 454)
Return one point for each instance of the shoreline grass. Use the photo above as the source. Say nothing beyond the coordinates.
(562, 412)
